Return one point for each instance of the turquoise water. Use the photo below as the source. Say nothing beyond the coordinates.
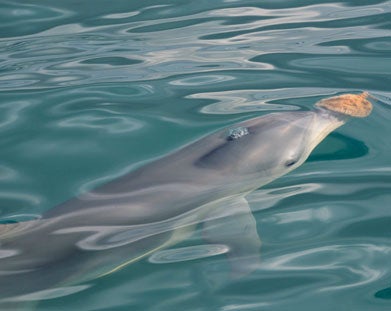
(90, 90)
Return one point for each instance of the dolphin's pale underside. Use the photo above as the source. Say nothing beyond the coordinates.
(154, 206)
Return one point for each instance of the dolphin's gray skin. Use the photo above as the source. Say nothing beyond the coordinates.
(150, 208)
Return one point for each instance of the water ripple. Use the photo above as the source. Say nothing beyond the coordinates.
(153, 48)
(187, 253)
(238, 101)
(50, 293)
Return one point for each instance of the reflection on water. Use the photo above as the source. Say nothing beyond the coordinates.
(89, 92)
(187, 253)
(49, 294)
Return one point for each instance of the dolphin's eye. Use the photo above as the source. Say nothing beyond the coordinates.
(290, 162)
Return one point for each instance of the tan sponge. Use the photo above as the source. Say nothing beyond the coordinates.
(355, 105)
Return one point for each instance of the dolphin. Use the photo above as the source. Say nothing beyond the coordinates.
(157, 205)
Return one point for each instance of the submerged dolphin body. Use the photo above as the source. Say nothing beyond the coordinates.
(151, 208)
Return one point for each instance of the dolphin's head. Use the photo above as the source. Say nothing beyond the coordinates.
(264, 148)
(275, 144)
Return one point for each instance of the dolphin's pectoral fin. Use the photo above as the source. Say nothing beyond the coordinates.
(232, 224)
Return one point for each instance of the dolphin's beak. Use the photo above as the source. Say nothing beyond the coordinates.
(335, 111)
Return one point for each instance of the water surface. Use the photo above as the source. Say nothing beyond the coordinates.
(91, 90)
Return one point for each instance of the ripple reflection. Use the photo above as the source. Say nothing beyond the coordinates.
(187, 253)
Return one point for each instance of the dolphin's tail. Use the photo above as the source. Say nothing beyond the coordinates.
(355, 105)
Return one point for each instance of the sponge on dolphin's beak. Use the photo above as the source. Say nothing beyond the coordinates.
(355, 105)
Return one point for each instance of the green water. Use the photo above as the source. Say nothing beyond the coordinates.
(90, 90)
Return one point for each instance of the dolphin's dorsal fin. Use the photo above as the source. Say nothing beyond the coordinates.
(232, 224)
